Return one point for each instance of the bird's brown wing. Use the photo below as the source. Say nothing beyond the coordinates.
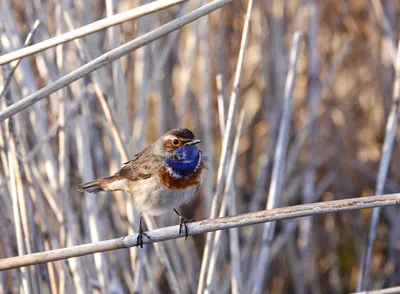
(141, 167)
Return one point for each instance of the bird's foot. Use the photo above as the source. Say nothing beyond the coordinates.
(183, 222)
(139, 240)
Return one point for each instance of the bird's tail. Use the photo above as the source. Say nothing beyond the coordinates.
(96, 185)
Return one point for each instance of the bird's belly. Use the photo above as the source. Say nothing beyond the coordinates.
(168, 199)
(155, 199)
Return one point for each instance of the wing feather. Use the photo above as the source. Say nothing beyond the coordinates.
(141, 167)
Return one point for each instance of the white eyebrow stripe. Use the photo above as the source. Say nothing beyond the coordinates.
(169, 137)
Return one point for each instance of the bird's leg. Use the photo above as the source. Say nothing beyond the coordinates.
(183, 222)
(139, 240)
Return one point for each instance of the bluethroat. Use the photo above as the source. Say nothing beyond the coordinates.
(165, 175)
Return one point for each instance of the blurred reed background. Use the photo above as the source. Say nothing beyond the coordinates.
(341, 101)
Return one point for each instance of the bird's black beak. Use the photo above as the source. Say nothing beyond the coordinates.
(193, 142)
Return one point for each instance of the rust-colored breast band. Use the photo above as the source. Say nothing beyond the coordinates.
(179, 183)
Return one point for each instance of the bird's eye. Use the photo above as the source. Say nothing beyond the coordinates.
(175, 142)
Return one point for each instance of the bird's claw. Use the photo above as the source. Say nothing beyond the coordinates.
(139, 240)
(183, 222)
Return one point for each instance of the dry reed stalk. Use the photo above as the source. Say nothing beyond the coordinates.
(309, 189)
(91, 207)
(186, 76)
(21, 207)
(28, 41)
(222, 212)
(26, 80)
(385, 23)
(45, 229)
(63, 138)
(235, 252)
(120, 91)
(357, 47)
(123, 152)
(221, 102)
(221, 68)
(100, 86)
(224, 162)
(15, 190)
(390, 135)
(89, 29)
(141, 75)
(139, 135)
(205, 70)
(164, 258)
(296, 266)
(110, 57)
(211, 225)
(290, 227)
(279, 163)
(392, 290)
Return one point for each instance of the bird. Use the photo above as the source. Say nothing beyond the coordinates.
(165, 175)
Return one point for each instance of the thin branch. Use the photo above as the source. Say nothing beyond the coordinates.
(120, 88)
(221, 101)
(28, 41)
(392, 290)
(224, 161)
(22, 214)
(314, 93)
(386, 27)
(235, 253)
(89, 29)
(204, 64)
(206, 226)
(225, 202)
(111, 56)
(91, 207)
(390, 135)
(280, 160)
(164, 259)
(123, 151)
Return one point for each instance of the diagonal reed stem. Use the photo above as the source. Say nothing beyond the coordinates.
(206, 226)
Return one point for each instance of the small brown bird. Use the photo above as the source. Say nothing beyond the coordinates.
(165, 175)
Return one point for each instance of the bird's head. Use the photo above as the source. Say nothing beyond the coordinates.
(179, 150)
(178, 144)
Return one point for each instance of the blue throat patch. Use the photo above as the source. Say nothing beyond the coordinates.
(185, 161)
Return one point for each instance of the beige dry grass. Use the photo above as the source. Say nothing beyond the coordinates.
(339, 121)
